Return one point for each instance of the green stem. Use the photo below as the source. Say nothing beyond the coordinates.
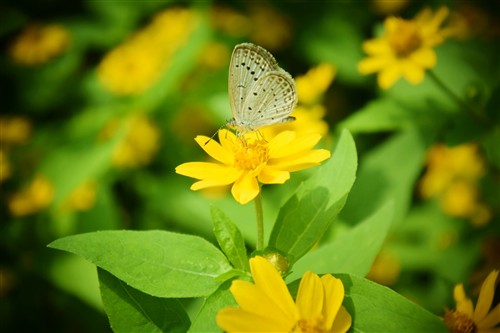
(455, 97)
(260, 222)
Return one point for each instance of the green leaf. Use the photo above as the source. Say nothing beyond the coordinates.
(160, 263)
(130, 310)
(308, 213)
(205, 320)
(375, 308)
(387, 172)
(230, 239)
(353, 252)
(386, 114)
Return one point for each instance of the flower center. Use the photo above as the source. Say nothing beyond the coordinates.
(458, 322)
(309, 326)
(405, 39)
(251, 155)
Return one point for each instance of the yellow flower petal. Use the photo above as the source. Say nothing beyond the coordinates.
(268, 279)
(388, 76)
(301, 162)
(342, 321)
(413, 74)
(425, 57)
(334, 294)
(245, 188)
(310, 296)
(485, 297)
(237, 320)
(372, 65)
(227, 140)
(207, 170)
(491, 320)
(214, 149)
(464, 304)
(278, 149)
(270, 175)
(376, 46)
(280, 143)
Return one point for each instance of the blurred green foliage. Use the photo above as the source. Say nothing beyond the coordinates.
(104, 159)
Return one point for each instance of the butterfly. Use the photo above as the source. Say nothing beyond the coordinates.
(260, 92)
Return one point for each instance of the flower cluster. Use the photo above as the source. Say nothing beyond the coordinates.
(405, 49)
(37, 195)
(134, 66)
(267, 306)
(37, 44)
(467, 319)
(453, 175)
(244, 162)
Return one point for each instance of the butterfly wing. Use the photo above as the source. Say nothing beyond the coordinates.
(270, 101)
(248, 63)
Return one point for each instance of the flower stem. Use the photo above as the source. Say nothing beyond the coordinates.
(260, 222)
(475, 113)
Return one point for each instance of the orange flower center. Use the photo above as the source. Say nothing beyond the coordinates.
(458, 322)
(405, 39)
(309, 326)
(251, 155)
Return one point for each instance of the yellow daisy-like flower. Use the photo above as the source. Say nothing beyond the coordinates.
(267, 305)
(405, 49)
(33, 198)
(249, 160)
(38, 44)
(467, 319)
(314, 83)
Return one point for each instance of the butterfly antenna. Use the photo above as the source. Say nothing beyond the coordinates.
(213, 135)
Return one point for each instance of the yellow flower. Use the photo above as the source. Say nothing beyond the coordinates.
(314, 83)
(249, 160)
(83, 197)
(405, 49)
(36, 196)
(466, 319)
(139, 145)
(14, 130)
(134, 66)
(215, 55)
(5, 168)
(385, 269)
(38, 44)
(267, 306)
(388, 7)
(229, 21)
(270, 28)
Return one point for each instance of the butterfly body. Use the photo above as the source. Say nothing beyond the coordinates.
(260, 92)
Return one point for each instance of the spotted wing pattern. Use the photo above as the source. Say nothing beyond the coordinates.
(270, 101)
(249, 62)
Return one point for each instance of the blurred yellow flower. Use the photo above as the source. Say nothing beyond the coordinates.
(405, 49)
(5, 169)
(37, 44)
(270, 27)
(134, 66)
(14, 130)
(82, 198)
(140, 144)
(466, 319)
(314, 83)
(308, 120)
(453, 174)
(385, 269)
(215, 55)
(229, 21)
(33, 198)
(250, 160)
(388, 7)
(267, 306)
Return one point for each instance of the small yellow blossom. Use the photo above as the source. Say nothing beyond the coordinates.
(270, 28)
(385, 269)
(229, 21)
(14, 130)
(467, 319)
(134, 66)
(308, 120)
(405, 49)
(267, 306)
(35, 197)
(139, 145)
(38, 44)
(314, 83)
(5, 168)
(452, 175)
(82, 198)
(249, 160)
